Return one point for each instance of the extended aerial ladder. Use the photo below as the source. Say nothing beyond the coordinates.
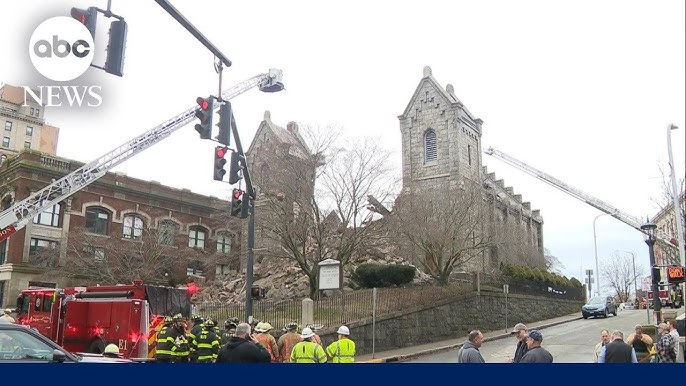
(585, 197)
(20, 213)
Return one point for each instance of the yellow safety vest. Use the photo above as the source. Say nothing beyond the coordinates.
(342, 351)
(308, 352)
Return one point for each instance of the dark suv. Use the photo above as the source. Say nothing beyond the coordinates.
(599, 306)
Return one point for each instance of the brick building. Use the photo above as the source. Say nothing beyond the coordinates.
(110, 218)
(441, 146)
(23, 126)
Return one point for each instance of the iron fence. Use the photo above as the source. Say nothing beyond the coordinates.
(277, 313)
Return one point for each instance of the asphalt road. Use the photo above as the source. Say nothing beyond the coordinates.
(571, 342)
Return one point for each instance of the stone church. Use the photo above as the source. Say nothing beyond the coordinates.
(441, 145)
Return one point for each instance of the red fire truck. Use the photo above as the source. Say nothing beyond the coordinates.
(86, 319)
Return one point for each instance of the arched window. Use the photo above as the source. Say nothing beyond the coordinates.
(196, 237)
(430, 151)
(97, 220)
(167, 231)
(224, 241)
(133, 227)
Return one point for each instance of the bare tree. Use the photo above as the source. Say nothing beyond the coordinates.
(445, 225)
(95, 259)
(552, 263)
(619, 275)
(665, 202)
(317, 204)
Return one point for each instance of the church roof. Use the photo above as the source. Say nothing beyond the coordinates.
(448, 94)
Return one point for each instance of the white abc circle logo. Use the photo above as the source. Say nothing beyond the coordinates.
(61, 48)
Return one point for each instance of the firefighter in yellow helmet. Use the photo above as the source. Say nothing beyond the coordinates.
(342, 350)
(206, 343)
(264, 338)
(181, 348)
(307, 351)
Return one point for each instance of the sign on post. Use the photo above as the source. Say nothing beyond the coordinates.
(329, 274)
(506, 288)
(675, 274)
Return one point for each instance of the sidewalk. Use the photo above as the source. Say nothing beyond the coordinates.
(401, 354)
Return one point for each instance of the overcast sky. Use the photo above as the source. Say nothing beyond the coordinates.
(582, 90)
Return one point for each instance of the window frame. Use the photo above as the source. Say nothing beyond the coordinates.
(5, 141)
(224, 239)
(194, 238)
(430, 143)
(53, 213)
(132, 234)
(29, 131)
(163, 234)
(97, 227)
(8, 125)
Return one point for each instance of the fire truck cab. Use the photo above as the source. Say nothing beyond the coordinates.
(86, 319)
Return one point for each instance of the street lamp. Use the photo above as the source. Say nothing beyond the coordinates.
(649, 232)
(595, 248)
(677, 205)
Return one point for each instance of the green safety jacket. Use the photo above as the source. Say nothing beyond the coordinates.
(308, 352)
(342, 351)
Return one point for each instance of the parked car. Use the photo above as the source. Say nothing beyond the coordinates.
(599, 305)
(21, 344)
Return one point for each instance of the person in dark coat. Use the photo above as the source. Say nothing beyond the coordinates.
(519, 332)
(242, 348)
(617, 351)
(536, 353)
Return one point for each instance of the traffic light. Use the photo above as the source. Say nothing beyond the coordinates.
(204, 113)
(114, 63)
(240, 204)
(656, 274)
(87, 17)
(219, 162)
(235, 167)
(257, 292)
(225, 117)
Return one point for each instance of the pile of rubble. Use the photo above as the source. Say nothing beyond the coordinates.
(283, 279)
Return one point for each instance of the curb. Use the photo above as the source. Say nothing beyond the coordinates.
(403, 357)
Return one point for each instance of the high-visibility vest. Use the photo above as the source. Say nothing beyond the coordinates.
(342, 351)
(308, 352)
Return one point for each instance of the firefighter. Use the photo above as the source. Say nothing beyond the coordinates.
(264, 338)
(206, 343)
(197, 321)
(180, 348)
(307, 351)
(229, 330)
(342, 350)
(165, 341)
(287, 341)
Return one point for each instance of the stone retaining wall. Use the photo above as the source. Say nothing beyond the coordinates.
(453, 318)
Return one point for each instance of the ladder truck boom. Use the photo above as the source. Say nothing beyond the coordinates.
(585, 197)
(20, 213)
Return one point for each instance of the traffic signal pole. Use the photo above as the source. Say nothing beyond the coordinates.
(250, 195)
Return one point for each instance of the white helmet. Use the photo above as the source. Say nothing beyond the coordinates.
(307, 333)
(343, 330)
(111, 349)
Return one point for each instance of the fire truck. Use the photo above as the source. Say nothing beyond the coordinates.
(86, 319)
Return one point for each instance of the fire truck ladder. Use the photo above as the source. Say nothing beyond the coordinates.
(585, 197)
(19, 214)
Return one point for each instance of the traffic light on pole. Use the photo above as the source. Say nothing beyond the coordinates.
(225, 117)
(204, 113)
(114, 62)
(235, 166)
(219, 162)
(87, 17)
(240, 204)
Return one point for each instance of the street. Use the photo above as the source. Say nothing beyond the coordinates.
(569, 342)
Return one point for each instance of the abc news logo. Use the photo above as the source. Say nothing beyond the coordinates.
(61, 49)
